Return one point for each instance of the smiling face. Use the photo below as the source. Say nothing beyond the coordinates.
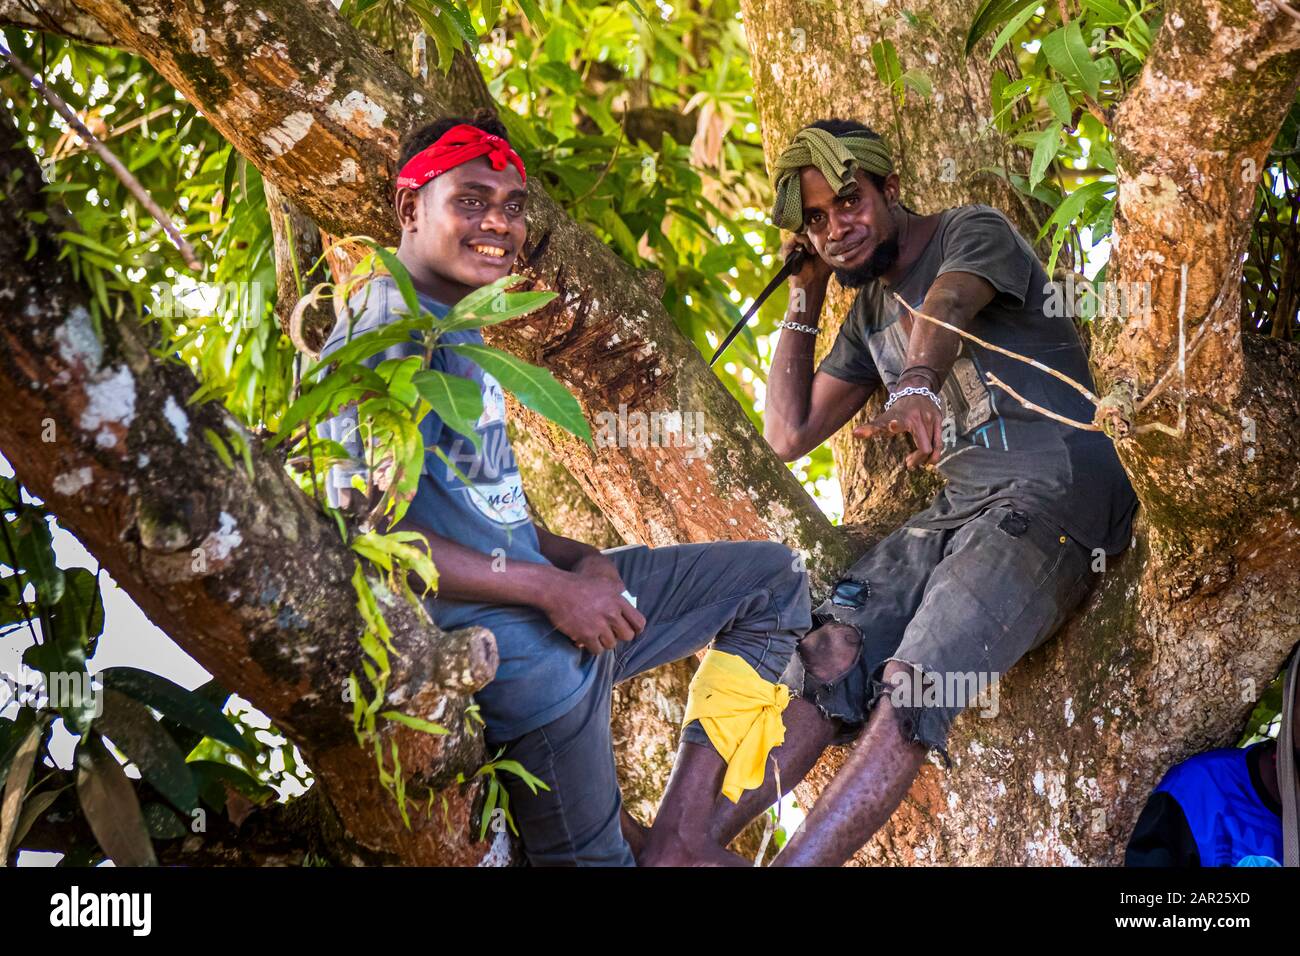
(465, 228)
(856, 234)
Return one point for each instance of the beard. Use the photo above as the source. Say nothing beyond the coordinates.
(877, 264)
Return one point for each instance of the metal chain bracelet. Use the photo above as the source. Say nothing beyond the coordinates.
(796, 327)
(904, 392)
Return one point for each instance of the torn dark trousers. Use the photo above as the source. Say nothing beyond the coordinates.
(959, 605)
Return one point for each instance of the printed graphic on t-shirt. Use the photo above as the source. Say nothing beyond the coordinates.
(494, 402)
(495, 488)
(502, 501)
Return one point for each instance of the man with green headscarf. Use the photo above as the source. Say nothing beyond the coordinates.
(922, 626)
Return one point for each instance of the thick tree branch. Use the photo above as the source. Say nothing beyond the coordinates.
(58, 17)
(241, 569)
(320, 111)
(1192, 139)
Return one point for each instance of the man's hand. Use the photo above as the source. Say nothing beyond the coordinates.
(598, 565)
(920, 418)
(815, 273)
(587, 605)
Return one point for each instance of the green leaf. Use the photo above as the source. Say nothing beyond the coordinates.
(88, 243)
(534, 14)
(415, 723)
(71, 629)
(533, 386)
(516, 768)
(477, 302)
(78, 618)
(110, 805)
(1069, 56)
(502, 308)
(346, 383)
(183, 706)
(1059, 101)
(228, 178)
(459, 18)
(394, 549)
(162, 822)
(1014, 25)
(10, 497)
(918, 81)
(456, 399)
(186, 737)
(372, 342)
(400, 276)
(490, 804)
(35, 547)
(885, 59)
(993, 13)
(1065, 214)
(211, 777)
(1106, 12)
(1049, 141)
(135, 732)
(220, 447)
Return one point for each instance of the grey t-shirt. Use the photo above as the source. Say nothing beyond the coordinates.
(1003, 451)
(542, 674)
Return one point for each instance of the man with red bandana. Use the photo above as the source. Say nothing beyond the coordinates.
(570, 621)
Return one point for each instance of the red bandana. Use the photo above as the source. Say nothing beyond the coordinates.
(458, 145)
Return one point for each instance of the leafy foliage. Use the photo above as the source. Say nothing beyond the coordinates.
(174, 737)
(639, 119)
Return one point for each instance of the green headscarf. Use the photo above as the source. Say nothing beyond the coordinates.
(835, 158)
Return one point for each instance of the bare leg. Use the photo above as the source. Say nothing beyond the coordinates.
(863, 795)
(827, 653)
(634, 831)
(679, 836)
(807, 735)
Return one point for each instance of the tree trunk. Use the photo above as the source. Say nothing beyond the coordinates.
(1181, 655)
(1189, 626)
(238, 566)
(311, 103)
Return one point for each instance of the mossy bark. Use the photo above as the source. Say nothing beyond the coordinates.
(1195, 619)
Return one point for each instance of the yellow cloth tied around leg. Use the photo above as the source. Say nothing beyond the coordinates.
(741, 714)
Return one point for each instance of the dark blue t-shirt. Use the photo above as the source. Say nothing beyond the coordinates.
(542, 674)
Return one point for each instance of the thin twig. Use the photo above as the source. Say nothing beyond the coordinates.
(1085, 426)
(772, 823)
(622, 135)
(1199, 338)
(1182, 347)
(129, 181)
(1286, 8)
(117, 131)
(1162, 428)
(1086, 393)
